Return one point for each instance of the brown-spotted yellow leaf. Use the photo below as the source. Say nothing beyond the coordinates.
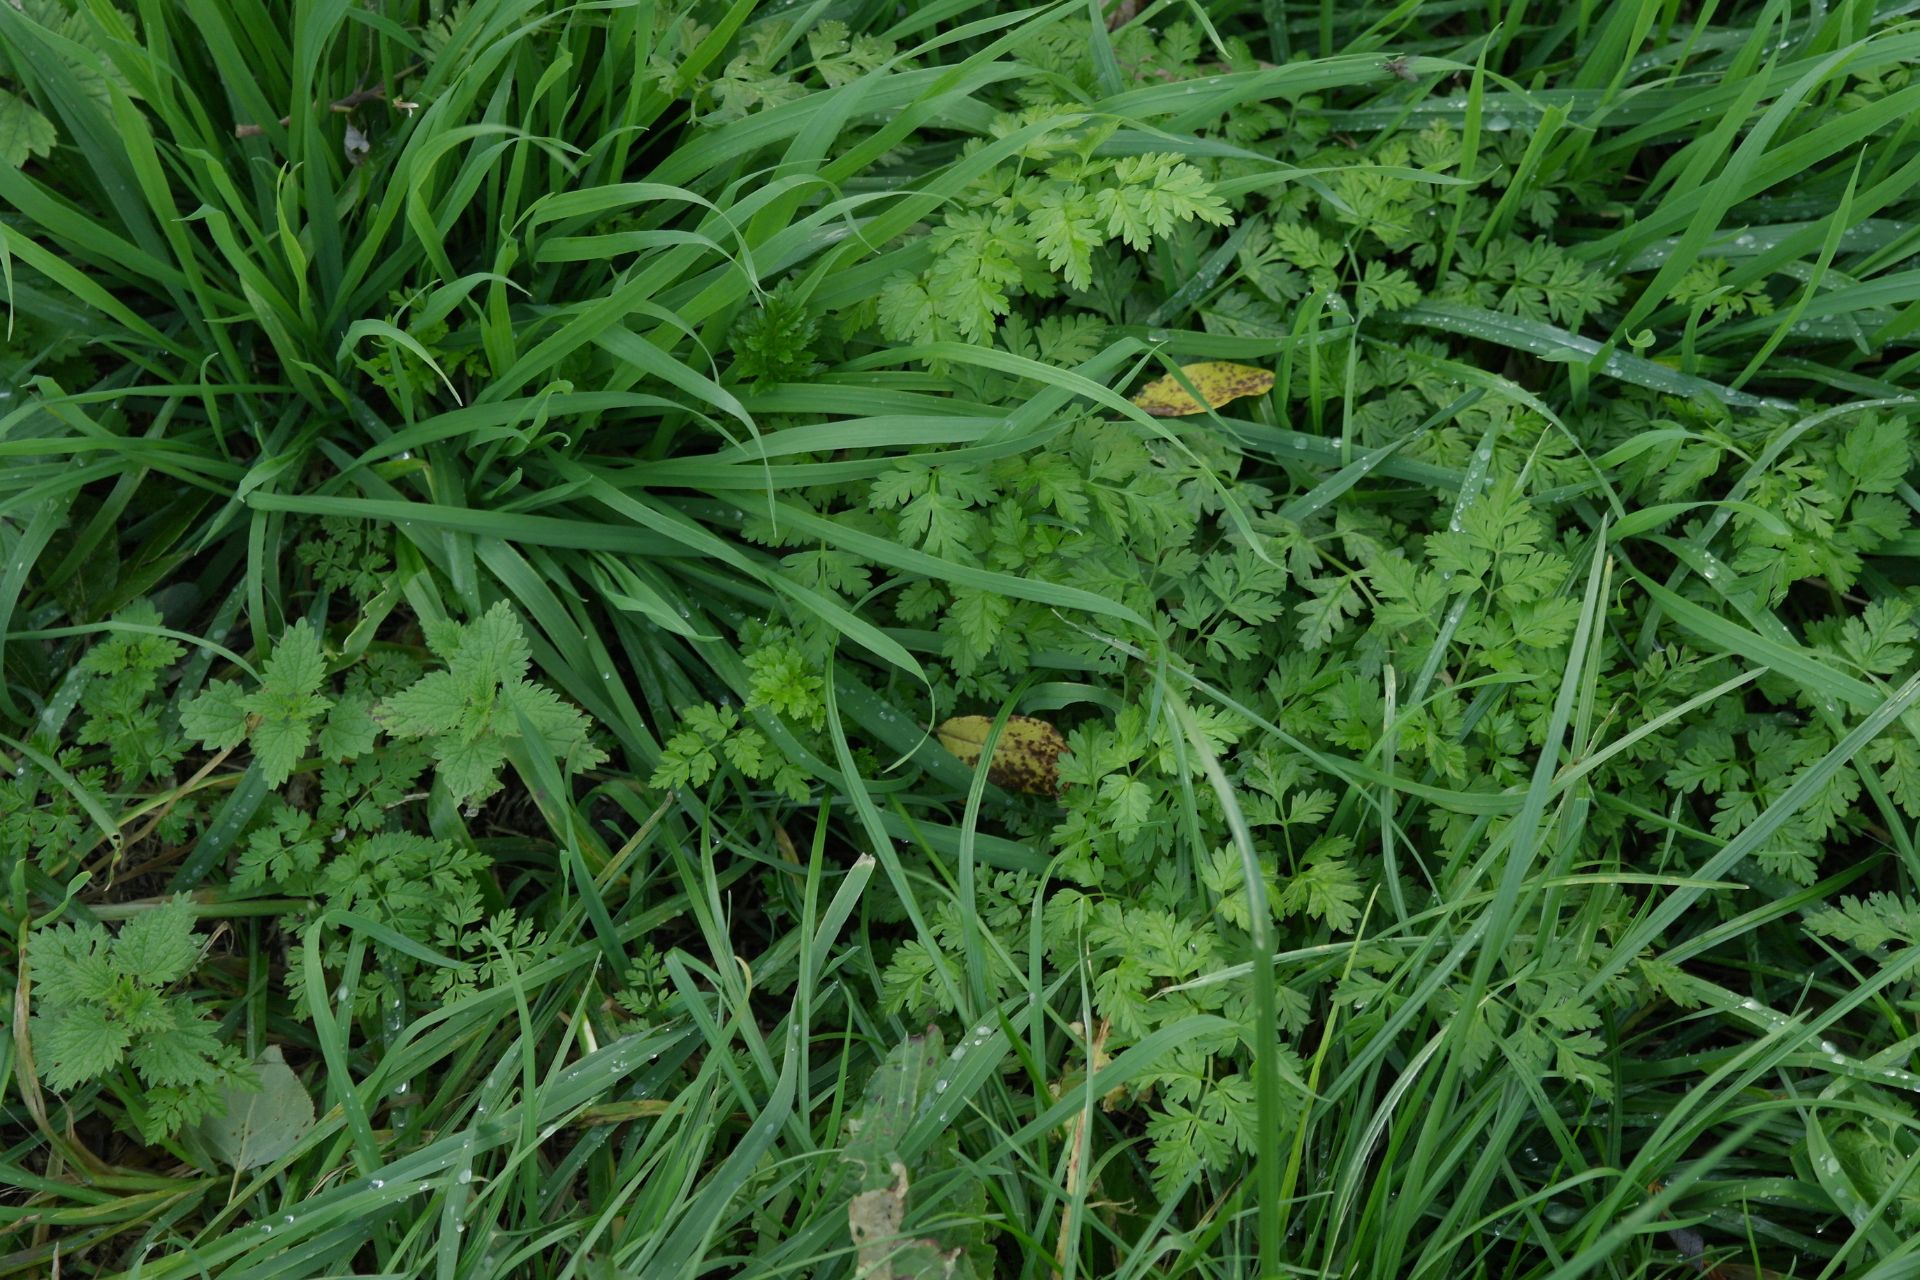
(1025, 759)
(1217, 381)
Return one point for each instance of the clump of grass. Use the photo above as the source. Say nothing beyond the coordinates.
(498, 495)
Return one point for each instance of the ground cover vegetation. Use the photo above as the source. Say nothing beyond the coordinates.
(840, 638)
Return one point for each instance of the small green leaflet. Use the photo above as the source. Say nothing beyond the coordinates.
(24, 132)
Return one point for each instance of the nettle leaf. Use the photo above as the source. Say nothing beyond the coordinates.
(469, 714)
(72, 964)
(287, 702)
(217, 716)
(76, 1044)
(350, 729)
(184, 1056)
(278, 745)
(434, 704)
(470, 769)
(158, 945)
(256, 1126)
(102, 1002)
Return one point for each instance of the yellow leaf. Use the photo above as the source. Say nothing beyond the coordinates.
(1217, 382)
(1025, 759)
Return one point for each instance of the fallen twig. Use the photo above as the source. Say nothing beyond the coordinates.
(358, 97)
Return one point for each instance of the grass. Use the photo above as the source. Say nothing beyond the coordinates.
(1544, 1011)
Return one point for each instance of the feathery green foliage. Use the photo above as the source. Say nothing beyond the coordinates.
(497, 493)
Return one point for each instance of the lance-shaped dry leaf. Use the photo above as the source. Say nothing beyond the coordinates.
(1217, 381)
(1026, 758)
(873, 1220)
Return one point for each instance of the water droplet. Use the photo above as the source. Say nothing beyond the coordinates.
(375, 1184)
(266, 1228)
(465, 1176)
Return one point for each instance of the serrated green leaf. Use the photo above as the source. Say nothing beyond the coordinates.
(78, 1043)
(216, 717)
(350, 729)
(158, 946)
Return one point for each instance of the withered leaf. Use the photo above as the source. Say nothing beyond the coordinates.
(1025, 759)
(1217, 381)
(873, 1219)
(884, 1253)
